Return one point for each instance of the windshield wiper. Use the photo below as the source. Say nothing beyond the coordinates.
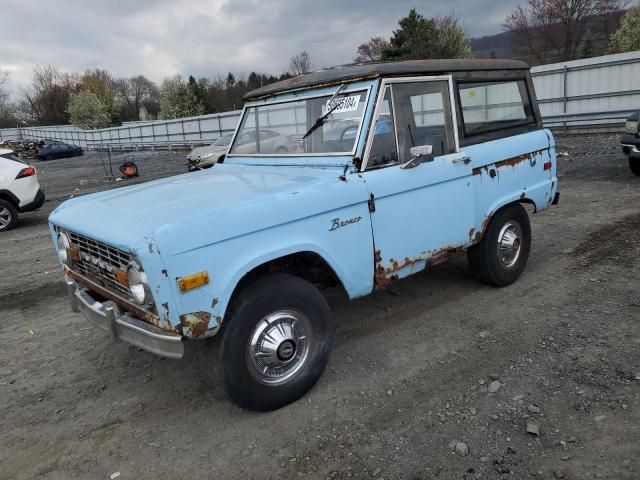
(322, 118)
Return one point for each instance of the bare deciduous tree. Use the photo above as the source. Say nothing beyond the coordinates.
(6, 109)
(45, 101)
(557, 30)
(135, 93)
(300, 64)
(371, 51)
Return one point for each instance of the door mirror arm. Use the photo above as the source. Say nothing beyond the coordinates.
(422, 153)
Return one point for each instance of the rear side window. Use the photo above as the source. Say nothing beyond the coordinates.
(492, 106)
(11, 157)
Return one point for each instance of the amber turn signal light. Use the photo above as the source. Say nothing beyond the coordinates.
(193, 281)
(122, 277)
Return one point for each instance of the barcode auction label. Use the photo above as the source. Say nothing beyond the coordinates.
(344, 104)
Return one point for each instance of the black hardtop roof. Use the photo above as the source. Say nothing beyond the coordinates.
(376, 70)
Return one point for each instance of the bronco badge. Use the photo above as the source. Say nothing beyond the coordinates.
(336, 223)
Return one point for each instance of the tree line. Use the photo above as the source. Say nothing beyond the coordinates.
(540, 31)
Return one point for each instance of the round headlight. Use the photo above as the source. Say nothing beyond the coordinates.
(63, 245)
(138, 284)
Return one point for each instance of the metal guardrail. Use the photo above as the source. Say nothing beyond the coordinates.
(613, 120)
(137, 146)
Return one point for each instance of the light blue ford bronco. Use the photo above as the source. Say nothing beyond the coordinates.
(352, 177)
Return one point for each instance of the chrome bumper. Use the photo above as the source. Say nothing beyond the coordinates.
(630, 149)
(123, 327)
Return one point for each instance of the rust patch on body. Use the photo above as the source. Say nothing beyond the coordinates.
(195, 325)
(483, 228)
(384, 276)
(514, 161)
(132, 309)
(509, 162)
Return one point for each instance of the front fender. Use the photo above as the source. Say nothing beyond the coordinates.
(348, 250)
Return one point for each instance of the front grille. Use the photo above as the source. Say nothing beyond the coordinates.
(100, 262)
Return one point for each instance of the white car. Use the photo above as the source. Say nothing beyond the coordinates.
(206, 157)
(20, 190)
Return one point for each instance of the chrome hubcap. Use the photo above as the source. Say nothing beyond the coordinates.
(5, 217)
(509, 244)
(278, 347)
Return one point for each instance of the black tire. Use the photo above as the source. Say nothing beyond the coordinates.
(634, 165)
(8, 215)
(490, 267)
(271, 295)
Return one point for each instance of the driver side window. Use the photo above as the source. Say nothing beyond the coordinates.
(412, 114)
(423, 117)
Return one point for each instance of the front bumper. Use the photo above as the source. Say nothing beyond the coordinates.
(120, 326)
(633, 150)
(631, 144)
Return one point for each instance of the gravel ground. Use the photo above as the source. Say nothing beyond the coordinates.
(442, 377)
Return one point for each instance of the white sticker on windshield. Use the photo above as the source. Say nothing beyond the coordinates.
(344, 104)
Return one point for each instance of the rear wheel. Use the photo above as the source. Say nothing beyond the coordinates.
(276, 342)
(502, 254)
(8, 215)
(634, 165)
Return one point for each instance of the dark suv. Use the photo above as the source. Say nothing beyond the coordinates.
(631, 142)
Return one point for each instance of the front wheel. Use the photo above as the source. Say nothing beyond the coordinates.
(502, 254)
(634, 165)
(276, 342)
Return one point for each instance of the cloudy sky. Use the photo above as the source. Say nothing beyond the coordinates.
(159, 38)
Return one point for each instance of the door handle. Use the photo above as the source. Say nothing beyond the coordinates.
(463, 158)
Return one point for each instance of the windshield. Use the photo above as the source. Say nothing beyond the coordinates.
(223, 141)
(279, 128)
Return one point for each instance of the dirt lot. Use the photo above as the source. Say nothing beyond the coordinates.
(410, 376)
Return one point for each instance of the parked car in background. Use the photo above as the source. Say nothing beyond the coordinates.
(206, 157)
(266, 142)
(443, 158)
(20, 190)
(631, 142)
(51, 150)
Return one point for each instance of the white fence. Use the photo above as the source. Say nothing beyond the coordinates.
(183, 131)
(593, 93)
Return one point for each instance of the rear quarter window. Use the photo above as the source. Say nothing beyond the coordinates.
(13, 158)
(494, 106)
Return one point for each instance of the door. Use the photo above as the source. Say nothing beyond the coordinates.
(421, 207)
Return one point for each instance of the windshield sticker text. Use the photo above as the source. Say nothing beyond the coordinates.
(345, 104)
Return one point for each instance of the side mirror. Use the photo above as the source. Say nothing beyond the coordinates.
(417, 153)
(421, 151)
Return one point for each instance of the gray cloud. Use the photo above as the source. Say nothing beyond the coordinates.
(159, 38)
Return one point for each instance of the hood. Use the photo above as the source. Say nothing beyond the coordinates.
(207, 150)
(239, 195)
